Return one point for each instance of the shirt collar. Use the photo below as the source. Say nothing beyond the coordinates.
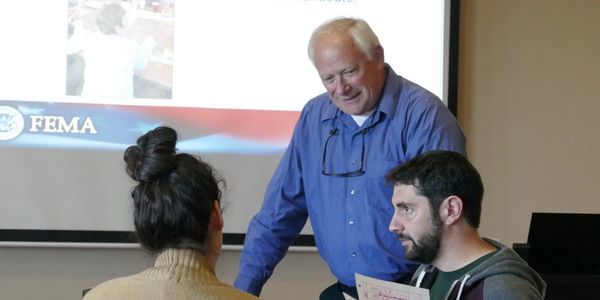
(390, 94)
(331, 111)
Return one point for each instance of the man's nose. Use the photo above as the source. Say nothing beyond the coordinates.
(342, 86)
(395, 225)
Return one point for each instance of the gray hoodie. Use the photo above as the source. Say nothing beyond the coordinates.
(502, 276)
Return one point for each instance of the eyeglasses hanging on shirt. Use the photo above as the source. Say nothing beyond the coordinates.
(334, 131)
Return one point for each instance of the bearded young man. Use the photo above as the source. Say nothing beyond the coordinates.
(437, 208)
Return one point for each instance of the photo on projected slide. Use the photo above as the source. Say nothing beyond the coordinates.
(120, 49)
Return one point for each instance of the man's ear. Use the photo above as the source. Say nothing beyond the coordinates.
(379, 57)
(216, 217)
(451, 210)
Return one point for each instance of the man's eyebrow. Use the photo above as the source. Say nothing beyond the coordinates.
(400, 203)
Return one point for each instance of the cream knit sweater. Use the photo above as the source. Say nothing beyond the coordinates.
(177, 274)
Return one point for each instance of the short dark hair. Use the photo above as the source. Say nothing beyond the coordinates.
(437, 175)
(174, 195)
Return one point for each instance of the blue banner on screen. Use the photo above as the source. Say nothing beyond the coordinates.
(114, 127)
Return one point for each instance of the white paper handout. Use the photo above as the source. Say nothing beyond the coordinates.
(375, 289)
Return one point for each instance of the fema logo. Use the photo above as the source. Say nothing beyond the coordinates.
(11, 123)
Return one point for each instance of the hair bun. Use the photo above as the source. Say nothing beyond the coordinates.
(153, 156)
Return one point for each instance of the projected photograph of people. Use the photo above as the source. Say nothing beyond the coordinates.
(120, 49)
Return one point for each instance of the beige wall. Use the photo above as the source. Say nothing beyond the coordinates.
(530, 105)
(528, 101)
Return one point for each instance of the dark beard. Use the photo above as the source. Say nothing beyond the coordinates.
(426, 249)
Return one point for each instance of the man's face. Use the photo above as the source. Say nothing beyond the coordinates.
(353, 82)
(414, 225)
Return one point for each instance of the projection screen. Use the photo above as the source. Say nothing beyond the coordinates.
(231, 76)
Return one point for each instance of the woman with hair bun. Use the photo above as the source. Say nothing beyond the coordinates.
(177, 215)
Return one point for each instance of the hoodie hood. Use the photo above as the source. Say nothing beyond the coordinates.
(505, 261)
